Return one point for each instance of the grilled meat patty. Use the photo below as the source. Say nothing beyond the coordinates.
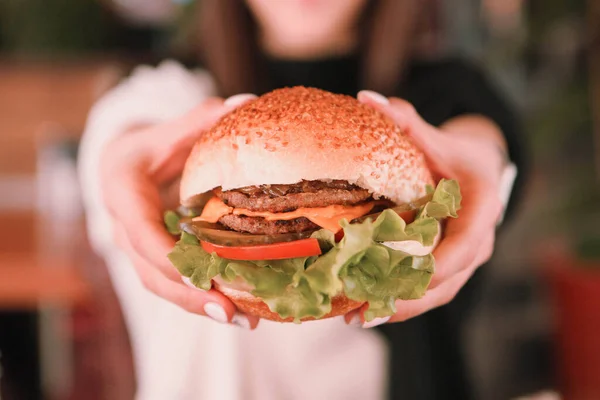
(261, 226)
(283, 198)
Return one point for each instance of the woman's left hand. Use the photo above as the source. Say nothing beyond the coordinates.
(470, 149)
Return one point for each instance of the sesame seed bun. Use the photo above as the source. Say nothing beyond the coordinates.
(295, 134)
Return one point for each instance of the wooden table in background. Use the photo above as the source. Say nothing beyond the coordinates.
(29, 278)
(62, 273)
(35, 93)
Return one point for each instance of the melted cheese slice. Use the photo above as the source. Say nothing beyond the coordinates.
(326, 217)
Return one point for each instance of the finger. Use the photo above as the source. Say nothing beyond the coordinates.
(219, 308)
(138, 208)
(122, 241)
(210, 303)
(463, 237)
(239, 318)
(176, 291)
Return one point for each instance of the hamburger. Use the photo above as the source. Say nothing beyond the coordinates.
(304, 204)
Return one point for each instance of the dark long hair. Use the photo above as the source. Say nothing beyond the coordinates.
(228, 43)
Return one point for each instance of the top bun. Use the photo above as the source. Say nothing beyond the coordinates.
(295, 134)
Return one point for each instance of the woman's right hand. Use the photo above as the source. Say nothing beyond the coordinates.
(135, 169)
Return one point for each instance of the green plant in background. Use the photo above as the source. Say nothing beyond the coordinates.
(182, 32)
(588, 248)
(561, 128)
(53, 27)
(562, 140)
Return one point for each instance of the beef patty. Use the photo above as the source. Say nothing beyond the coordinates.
(284, 198)
(261, 226)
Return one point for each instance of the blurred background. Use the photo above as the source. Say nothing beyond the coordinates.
(61, 330)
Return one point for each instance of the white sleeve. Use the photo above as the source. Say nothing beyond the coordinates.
(148, 96)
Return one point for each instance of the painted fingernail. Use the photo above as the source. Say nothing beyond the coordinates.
(355, 320)
(216, 312)
(240, 320)
(239, 99)
(376, 97)
(188, 282)
(375, 322)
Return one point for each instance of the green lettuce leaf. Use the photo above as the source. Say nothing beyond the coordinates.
(358, 266)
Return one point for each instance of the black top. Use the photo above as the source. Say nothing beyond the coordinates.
(426, 353)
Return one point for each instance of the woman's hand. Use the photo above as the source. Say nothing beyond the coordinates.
(137, 168)
(470, 149)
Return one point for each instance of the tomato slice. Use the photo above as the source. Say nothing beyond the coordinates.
(276, 251)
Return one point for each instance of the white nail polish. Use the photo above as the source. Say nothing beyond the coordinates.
(188, 282)
(216, 312)
(375, 322)
(240, 320)
(376, 97)
(355, 320)
(239, 99)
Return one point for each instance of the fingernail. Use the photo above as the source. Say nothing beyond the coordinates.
(355, 320)
(216, 312)
(240, 320)
(376, 97)
(188, 282)
(239, 99)
(375, 322)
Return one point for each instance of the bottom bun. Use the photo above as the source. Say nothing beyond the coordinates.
(251, 305)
